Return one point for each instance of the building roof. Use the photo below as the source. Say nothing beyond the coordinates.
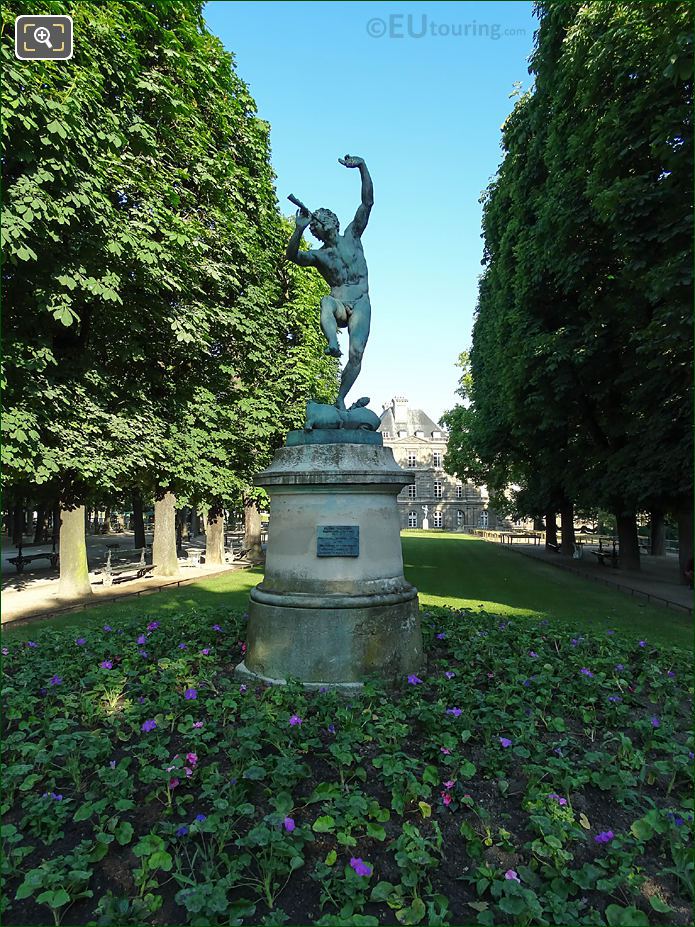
(413, 419)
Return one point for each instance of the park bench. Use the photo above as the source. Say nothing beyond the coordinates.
(605, 555)
(20, 561)
(110, 571)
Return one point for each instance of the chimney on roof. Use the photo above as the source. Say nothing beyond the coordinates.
(399, 404)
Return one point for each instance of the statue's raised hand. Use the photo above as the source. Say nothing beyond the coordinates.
(302, 219)
(351, 161)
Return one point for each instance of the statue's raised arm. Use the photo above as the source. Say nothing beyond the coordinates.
(359, 223)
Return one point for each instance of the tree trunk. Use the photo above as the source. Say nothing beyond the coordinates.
(164, 544)
(685, 539)
(629, 541)
(74, 571)
(40, 524)
(138, 522)
(567, 529)
(95, 522)
(252, 530)
(550, 530)
(179, 532)
(214, 539)
(195, 523)
(657, 530)
(537, 523)
(107, 520)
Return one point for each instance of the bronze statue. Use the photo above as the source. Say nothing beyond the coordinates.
(341, 262)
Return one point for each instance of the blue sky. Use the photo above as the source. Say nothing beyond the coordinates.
(425, 113)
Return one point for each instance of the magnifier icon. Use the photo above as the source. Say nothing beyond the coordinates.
(42, 35)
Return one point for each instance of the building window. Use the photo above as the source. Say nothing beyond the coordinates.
(419, 434)
(412, 519)
(484, 519)
(437, 458)
(436, 435)
(460, 518)
(459, 491)
(437, 520)
(402, 434)
(412, 459)
(386, 434)
(412, 491)
(437, 489)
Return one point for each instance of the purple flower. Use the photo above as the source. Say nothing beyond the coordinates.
(142, 639)
(81, 641)
(360, 867)
(141, 699)
(605, 837)
(532, 653)
(205, 651)
(197, 724)
(242, 689)
(183, 647)
(586, 672)
(449, 674)
(511, 874)
(619, 666)
(643, 643)
(414, 680)
(32, 644)
(55, 681)
(453, 711)
(190, 694)
(505, 741)
(671, 674)
(149, 725)
(112, 764)
(106, 664)
(153, 625)
(107, 627)
(182, 831)
(5, 651)
(289, 824)
(655, 722)
(558, 798)
(614, 698)
(610, 632)
(216, 627)
(323, 690)
(200, 818)
(441, 636)
(526, 682)
(294, 720)
(691, 755)
(331, 728)
(143, 653)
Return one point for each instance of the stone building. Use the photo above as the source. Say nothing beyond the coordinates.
(419, 444)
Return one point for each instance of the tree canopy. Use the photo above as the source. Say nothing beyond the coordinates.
(153, 336)
(580, 366)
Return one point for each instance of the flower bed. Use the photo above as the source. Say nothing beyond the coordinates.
(524, 776)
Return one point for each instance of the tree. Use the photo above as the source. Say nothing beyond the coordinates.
(146, 336)
(581, 358)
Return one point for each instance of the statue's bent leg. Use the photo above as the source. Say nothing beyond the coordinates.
(358, 326)
(330, 310)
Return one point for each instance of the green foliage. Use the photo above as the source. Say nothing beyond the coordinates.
(153, 337)
(582, 345)
(229, 846)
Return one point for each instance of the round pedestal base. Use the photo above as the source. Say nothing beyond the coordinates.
(334, 646)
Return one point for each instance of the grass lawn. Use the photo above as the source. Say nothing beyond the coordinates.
(449, 570)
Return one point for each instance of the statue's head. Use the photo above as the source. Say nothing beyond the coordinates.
(324, 225)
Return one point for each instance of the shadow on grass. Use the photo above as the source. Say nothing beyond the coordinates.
(448, 570)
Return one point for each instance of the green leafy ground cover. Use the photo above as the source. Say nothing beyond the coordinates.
(528, 774)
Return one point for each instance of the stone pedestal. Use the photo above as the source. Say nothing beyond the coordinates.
(334, 606)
